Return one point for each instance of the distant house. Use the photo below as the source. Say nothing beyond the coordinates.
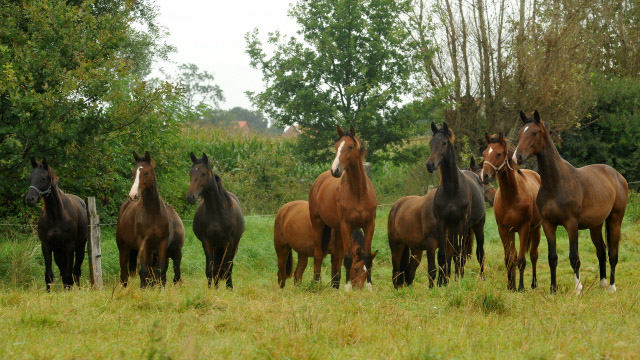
(243, 127)
(292, 132)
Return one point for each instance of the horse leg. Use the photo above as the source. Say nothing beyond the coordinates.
(227, 265)
(345, 235)
(442, 250)
(598, 242)
(613, 224)
(317, 227)
(574, 257)
(534, 239)
(65, 265)
(300, 268)
(550, 234)
(337, 257)
(368, 258)
(163, 261)
(284, 257)
(124, 264)
(48, 263)
(176, 258)
(431, 264)
(397, 253)
(208, 254)
(523, 234)
(218, 254)
(478, 231)
(457, 252)
(414, 262)
(145, 257)
(77, 265)
(508, 243)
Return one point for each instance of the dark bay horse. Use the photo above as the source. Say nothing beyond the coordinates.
(218, 222)
(515, 208)
(292, 231)
(344, 199)
(584, 198)
(149, 231)
(458, 205)
(411, 230)
(62, 226)
(489, 189)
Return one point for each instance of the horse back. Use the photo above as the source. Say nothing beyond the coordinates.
(603, 189)
(293, 227)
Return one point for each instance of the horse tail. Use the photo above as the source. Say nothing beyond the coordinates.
(289, 267)
(326, 238)
(404, 259)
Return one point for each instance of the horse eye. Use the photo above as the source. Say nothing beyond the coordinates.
(350, 147)
(498, 155)
(146, 173)
(356, 269)
(534, 133)
(202, 175)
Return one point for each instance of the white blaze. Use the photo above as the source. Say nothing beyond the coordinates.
(364, 267)
(514, 158)
(525, 130)
(490, 150)
(134, 188)
(336, 161)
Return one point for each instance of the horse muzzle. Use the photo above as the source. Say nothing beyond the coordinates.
(191, 199)
(31, 200)
(337, 173)
(519, 159)
(486, 179)
(431, 167)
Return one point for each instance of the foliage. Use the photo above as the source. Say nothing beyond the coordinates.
(348, 66)
(72, 90)
(227, 118)
(197, 87)
(610, 134)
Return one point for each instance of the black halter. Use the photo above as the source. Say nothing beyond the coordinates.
(42, 193)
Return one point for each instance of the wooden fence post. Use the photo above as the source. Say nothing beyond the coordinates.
(93, 244)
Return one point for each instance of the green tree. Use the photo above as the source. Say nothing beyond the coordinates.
(72, 89)
(197, 86)
(347, 66)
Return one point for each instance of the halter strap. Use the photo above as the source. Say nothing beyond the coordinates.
(42, 193)
(499, 168)
(489, 188)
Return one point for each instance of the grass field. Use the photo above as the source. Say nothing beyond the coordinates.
(468, 319)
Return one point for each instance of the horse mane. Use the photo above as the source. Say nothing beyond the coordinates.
(363, 149)
(222, 192)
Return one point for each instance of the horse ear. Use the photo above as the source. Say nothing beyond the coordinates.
(536, 116)
(352, 130)
(359, 252)
(34, 163)
(340, 131)
(523, 117)
(147, 157)
(205, 158)
(434, 128)
(487, 138)
(44, 163)
(445, 128)
(500, 138)
(472, 163)
(373, 256)
(135, 156)
(194, 159)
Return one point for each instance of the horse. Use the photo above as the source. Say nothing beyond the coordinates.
(515, 208)
(218, 222)
(411, 229)
(583, 198)
(149, 231)
(344, 199)
(458, 205)
(62, 226)
(292, 231)
(489, 189)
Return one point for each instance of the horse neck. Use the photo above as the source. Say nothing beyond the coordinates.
(53, 202)
(551, 165)
(356, 179)
(212, 197)
(151, 199)
(450, 172)
(507, 178)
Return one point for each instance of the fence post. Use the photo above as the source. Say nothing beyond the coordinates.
(93, 244)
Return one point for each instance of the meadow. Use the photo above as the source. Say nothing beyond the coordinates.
(470, 318)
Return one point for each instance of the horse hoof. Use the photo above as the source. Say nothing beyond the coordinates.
(612, 288)
(347, 287)
(578, 286)
(604, 283)
(369, 286)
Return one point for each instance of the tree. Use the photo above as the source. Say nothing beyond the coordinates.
(348, 65)
(197, 86)
(72, 89)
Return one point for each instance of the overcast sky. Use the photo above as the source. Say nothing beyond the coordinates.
(210, 34)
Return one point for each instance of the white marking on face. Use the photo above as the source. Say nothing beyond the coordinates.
(347, 287)
(514, 157)
(134, 188)
(490, 150)
(604, 283)
(482, 175)
(525, 129)
(364, 267)
(336, 161)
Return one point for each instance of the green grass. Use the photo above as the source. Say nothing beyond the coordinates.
(468, 319)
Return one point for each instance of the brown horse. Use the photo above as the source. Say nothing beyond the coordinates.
(515, 208)
(218, 222)
(292, 230)
(584, 198)
(411, 230)
(458, 206)
(344, 200)
(149, 231)
(62, 226)
(489, 189)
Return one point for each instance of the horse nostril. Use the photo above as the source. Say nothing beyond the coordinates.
(486, 178)
(519, 159)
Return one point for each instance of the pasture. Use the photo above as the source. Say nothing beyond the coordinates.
(467, 319)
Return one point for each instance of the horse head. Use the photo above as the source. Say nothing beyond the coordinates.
(144, 175)
(496, 156)
(200, 177)
(349, 151)
(531, 137)
(41, 180)
(359, 271)
(440, 142)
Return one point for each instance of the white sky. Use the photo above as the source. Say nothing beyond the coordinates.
(211, 33)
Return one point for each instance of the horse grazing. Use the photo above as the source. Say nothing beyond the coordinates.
(458, 206)
(584, 198)
(218, 222)
(148, 231)
(292, 230)
(62, 226)
(411, 230)
(515, 208)
(343, 199)
(489, 189)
